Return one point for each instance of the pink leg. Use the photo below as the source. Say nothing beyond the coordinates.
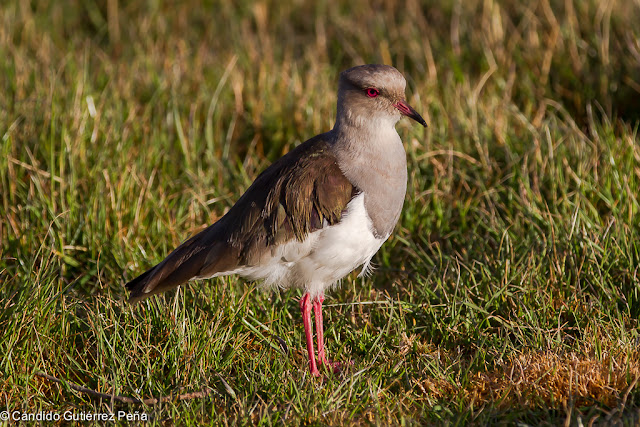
(317, 311)
(305, 308)
(322, 357)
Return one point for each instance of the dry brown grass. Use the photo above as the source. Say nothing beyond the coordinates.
(555, 379)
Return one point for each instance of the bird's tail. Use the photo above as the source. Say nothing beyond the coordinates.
(204, 255)
(137, 286)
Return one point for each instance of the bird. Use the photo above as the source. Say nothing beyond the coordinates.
(314, 215)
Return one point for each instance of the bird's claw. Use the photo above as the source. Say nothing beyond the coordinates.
(336, 367)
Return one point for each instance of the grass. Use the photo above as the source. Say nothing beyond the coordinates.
(509, 292)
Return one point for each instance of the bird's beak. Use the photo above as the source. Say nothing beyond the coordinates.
(408, 111)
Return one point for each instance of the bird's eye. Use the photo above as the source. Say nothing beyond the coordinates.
(372, 92)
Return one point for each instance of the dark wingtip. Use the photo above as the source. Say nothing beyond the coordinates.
(137, 285)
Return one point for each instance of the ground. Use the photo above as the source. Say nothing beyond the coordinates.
(508, 293)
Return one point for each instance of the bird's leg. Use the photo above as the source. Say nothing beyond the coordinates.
(322, 357)
(305, 308)
(317, 311)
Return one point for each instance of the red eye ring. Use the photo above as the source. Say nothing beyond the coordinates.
(372, 92)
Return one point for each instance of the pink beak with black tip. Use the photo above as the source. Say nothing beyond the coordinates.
(408, 111)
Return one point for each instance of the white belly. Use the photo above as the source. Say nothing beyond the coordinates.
(325, 257)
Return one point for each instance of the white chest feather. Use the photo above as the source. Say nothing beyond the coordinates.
(324, 257)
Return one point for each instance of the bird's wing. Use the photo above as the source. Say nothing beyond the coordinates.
(303, 191)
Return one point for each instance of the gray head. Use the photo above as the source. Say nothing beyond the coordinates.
(373, 92)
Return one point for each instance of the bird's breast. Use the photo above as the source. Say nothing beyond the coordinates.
(377, 166)
(324, 257)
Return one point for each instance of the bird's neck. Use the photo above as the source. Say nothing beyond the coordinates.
(366, 136)
(372, 157)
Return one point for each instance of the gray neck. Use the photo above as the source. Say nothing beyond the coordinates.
(371, 156)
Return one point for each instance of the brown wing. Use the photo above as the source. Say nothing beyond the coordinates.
(288, 201)
(299, 193)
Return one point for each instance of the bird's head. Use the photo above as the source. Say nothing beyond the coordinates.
(373, 92)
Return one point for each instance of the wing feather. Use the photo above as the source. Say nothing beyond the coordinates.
(298, 194)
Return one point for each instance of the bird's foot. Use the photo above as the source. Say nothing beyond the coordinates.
(336, 367)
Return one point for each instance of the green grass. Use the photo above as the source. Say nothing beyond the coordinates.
(509, 292)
